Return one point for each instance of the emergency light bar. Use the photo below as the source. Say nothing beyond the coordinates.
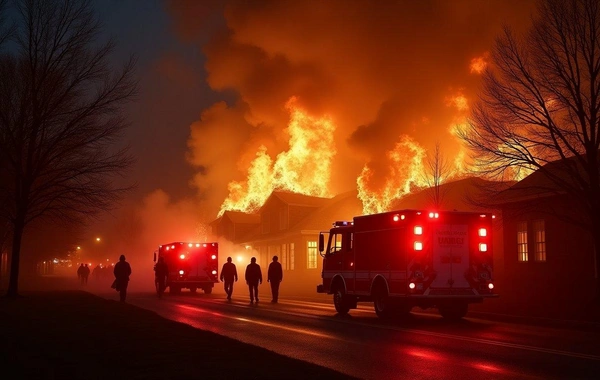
(342, 224)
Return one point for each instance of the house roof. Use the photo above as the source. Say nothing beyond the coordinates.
(467, 194)
(239, 217)
(294, 199)
(552, 179)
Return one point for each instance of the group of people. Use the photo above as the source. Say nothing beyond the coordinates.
(253, 277)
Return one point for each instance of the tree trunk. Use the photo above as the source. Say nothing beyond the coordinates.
(13, 284)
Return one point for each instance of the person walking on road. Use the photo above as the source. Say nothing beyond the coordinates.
(122, 272)
(274, 277)
(161, 272)
(253, 278)
(80, 273)
(228, 276)
(85, 274)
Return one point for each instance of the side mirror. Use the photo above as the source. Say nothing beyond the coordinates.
(154, 256)
(321, 243)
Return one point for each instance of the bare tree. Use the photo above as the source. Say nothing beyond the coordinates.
(541, 105)
(437, 171)
(60, 120)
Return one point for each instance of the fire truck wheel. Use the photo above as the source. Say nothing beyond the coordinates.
(382, 305)
(453, 312)
(339, 301)
(207, 290)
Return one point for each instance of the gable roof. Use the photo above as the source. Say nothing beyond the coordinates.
(546, 182)
(294, 199)
(467, 194)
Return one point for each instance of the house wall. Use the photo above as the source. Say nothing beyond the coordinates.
(563, 285)
(297, 278)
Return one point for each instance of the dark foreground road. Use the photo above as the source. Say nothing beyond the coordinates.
(76, 335)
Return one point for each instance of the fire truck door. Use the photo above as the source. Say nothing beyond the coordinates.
(450, 255)
(342, 257)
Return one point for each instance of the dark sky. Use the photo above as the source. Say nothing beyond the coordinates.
(320, 97)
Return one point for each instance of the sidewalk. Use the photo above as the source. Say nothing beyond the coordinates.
(77, 335)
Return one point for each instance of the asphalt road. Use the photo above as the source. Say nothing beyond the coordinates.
(362, 345)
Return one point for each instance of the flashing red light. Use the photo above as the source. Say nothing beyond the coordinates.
(214, 272)
(434, 215)
(482, 247)
(418, 230)
(396, 218)
(213, 257)
(490, 286)
(482, 232)
(182, 257)
(412, 285)
(181, 272)
(418, 246)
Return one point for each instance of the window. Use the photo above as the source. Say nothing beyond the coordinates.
(264, 221)
(283, 221)
(292, 260)
(336, 243)
(539, 236)
(311, 255)
(284, 257)
(522, 241)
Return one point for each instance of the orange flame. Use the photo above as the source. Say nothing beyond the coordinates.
(405, 165)
(311, 151)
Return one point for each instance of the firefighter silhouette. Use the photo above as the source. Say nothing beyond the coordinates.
(253, 279)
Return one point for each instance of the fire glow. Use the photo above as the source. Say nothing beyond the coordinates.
(311, 150)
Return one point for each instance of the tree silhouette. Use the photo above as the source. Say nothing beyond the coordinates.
(541, 104)
(437, 171)
(60, 120)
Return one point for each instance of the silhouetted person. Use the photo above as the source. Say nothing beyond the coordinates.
(122, 272)
(80, 273)
(85, 274)
(161, 272)
(253, 278)
(96, 272)
(228, 276)
(275, 276)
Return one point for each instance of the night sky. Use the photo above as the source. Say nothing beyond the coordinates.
(217, 79)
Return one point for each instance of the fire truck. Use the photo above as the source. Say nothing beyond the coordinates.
(191, 265)
(409, 258)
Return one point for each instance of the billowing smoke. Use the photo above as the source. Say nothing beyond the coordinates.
(382, 72)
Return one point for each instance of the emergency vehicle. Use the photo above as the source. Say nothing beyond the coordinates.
(409, 258)
(191, 265)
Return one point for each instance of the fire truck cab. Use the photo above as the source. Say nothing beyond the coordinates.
(191, 265)
(409, 258)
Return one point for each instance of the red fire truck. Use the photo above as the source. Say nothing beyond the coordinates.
(191, 265)
(407, 258)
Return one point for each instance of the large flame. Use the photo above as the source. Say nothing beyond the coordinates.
(405, 172)
(304, 169)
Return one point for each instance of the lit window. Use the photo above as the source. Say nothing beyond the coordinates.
(284, 257)
(292, 259)
(522, 241)
(311, 254)
(539, 236)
